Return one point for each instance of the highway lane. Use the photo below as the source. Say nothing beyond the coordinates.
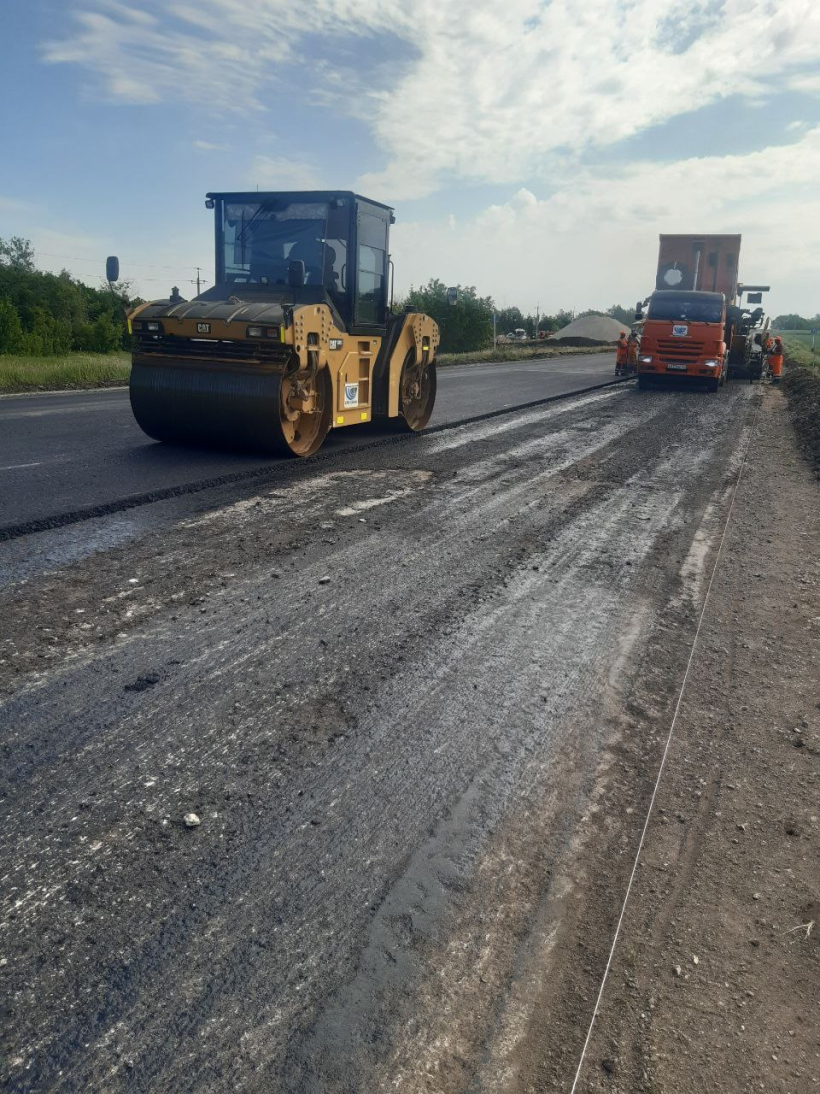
(67, 451)
(410, 694)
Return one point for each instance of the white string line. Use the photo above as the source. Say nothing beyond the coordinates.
(665, 753)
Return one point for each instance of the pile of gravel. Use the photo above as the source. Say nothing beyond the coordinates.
(802, 385)
(592, 330)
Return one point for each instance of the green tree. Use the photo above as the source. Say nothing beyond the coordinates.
(17, 252)
(508, 319)
(11, 330)
(623, 315)
(793, 322)
(56, 313)
(465, 326)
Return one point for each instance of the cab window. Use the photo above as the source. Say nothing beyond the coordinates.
(371, 269)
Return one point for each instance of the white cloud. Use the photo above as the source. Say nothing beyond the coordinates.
(486, 92)
(501, 94)
(208, 146)
(223, 55)
(593, 241)
(527, 79)
(809, 83)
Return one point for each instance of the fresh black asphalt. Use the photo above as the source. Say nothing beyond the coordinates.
(69, 451)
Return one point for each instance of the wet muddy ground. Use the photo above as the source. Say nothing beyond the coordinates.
(406, 694)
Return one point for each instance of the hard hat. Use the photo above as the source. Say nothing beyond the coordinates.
(623, 334)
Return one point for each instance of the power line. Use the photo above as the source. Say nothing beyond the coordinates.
(144, 265)
(165, 280)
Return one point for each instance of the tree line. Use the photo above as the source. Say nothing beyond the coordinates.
(468, 325)
(45, 314)
(796, 322)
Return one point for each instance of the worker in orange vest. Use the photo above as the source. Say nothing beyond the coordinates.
(776, 360)
(632, 352)
(621, 354)
(768, 346)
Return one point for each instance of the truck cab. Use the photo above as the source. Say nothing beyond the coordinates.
(684, 336)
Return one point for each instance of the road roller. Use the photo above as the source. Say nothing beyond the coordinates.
(297, 335)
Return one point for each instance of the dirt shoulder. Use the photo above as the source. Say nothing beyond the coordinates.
(802, 386)
(715, 984)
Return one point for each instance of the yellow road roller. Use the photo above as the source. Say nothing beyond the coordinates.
(296, 336)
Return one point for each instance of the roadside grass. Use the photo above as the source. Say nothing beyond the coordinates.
(799, 337)
(800, 351)
(75, 370)
(517, 353)
(801, 383)
(90, 370)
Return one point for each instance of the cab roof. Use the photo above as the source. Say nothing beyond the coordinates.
(298, 195)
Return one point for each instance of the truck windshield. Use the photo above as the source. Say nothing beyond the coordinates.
(692, 309)
(261, 238)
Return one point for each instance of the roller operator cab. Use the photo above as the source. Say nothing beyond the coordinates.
(295, 338)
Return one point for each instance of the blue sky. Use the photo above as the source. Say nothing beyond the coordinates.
(533, 149)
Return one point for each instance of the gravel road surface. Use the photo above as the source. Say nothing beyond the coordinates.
(392, 687)
(60, 452)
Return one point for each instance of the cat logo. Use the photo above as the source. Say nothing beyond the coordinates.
(203, 328)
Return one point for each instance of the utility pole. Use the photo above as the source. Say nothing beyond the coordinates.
(198, 269)
(495, 336)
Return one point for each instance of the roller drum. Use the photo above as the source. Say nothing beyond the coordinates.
(234, 406)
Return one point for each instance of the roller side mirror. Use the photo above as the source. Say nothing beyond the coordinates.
(112, 268)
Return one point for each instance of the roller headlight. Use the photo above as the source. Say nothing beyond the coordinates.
(646, 360)
(711, 364)
(262, 332)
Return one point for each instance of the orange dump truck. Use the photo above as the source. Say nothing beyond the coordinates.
(685, 329)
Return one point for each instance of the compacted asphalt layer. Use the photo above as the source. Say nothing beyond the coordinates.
(67, 451)
(390, 685)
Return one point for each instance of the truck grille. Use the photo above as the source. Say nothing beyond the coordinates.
(211, 349)
(683, 350)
